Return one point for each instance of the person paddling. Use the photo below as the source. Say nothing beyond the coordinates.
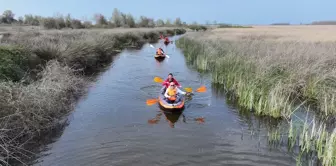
(166, 39)
(173, 93)
(170, 79)
(159, 51)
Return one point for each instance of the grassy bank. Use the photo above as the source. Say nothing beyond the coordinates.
(42, 74)
(270, 76)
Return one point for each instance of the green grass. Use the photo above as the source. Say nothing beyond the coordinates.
(197, 27)
(14, 62)
(43, 73)
(271, 78)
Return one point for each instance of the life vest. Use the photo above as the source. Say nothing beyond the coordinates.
(172, 91)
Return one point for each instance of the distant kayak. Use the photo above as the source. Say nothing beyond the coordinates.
(166, 42)
(177, 105)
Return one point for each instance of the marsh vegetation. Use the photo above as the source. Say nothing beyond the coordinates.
(274, 74)
(44, 72)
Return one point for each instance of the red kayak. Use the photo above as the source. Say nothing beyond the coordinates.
(166, 41)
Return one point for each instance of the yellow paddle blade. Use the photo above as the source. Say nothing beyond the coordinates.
(201, 89)
(151, 101)
(188, 90)
(158, 79)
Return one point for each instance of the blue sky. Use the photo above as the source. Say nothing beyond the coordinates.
(226, 11)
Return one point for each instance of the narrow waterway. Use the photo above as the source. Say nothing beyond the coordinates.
(112, 125)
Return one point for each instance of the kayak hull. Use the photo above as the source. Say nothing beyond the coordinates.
(166, 42)
(176, 106)
(159, 57)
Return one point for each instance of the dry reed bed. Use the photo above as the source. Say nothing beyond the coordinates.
(271, 76)
(306, 33)
(277, 71)
(43, 73)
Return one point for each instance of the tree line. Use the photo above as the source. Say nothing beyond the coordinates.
(118, 19)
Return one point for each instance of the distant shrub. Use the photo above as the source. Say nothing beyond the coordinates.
(281, 23)
(232, 26)
(197, 27)
(49, 23)
(76, 24)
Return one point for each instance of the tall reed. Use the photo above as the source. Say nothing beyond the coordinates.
(267, 76)
(272, 78)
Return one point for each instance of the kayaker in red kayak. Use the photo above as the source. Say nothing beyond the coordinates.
(159, 51)
(170, 79)
(166, 39)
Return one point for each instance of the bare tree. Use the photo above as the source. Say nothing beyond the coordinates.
(68, 21)
(130, 21)
(116, 17)
(31, 20)
(20, 20)
(100, 19)
(7, 16)
(168, 22)
(160, 23)
(178, 22)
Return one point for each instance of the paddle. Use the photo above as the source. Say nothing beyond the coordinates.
(158, 80)
(199, 90)
(154, 47)
(151, 101)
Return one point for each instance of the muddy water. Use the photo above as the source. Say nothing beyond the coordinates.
(112, 125)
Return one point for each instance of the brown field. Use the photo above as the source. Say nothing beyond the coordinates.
(281, 33)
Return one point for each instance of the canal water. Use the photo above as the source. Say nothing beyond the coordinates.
(112, 125)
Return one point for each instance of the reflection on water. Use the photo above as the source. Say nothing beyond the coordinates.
(172, 117)
(200, 120)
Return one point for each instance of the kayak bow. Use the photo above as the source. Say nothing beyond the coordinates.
(170, 106)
